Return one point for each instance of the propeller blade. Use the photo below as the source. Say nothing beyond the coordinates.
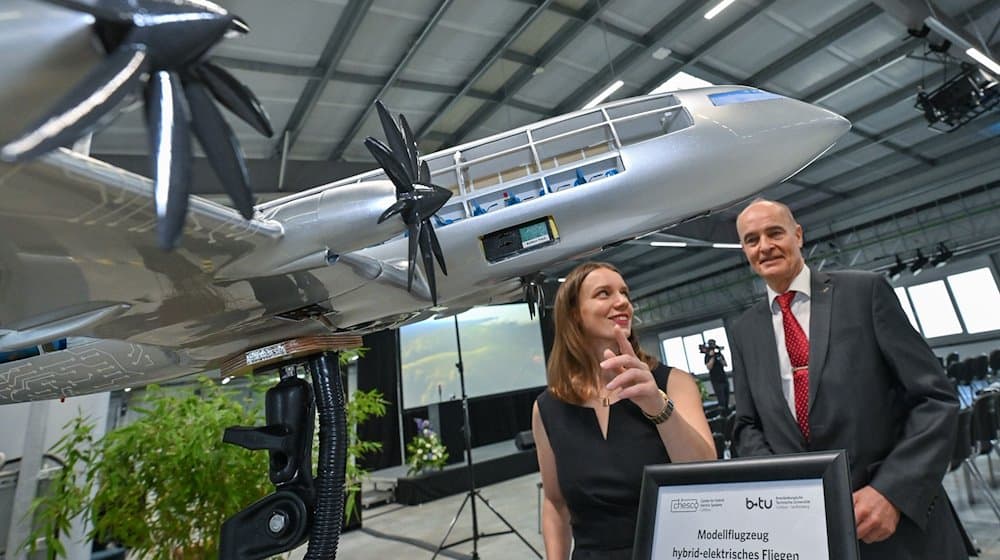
(389, 164)
(414, 234)
(436, 248)
(428, 260)
(396, 208)
(424, 175)
(236, 97)
(85, 107)
(221, 147)
(395, 139)
(411, 148)
(170, 139)
(239, 27)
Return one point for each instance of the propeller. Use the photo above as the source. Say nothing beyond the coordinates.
(157, 48)
(416, 198)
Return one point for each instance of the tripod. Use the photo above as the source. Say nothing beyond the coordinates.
(473, 493)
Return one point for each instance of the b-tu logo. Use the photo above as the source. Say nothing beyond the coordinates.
(759, 503)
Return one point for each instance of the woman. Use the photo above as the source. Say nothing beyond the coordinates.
(609, 410)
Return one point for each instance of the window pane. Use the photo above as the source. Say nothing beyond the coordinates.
(904, 300)
(696, 363)
(673, 352)
(978, 299)
(719, 335)
(934, 309)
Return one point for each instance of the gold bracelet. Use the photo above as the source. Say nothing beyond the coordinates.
(668, 409)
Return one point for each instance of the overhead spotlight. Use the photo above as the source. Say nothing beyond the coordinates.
(942, 257)
(896, 269)
(918, 263)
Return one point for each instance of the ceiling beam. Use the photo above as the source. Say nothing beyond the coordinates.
(355, 127)
(615, 68)
(829, 35)
(552, 47)
(877, 64)
(680, 62)
(527, 19)
(336, 44)
(367, 79)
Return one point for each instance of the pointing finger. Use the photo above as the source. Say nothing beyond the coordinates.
(624, 346)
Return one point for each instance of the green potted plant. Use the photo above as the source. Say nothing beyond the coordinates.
(163, 485)
(361, 406)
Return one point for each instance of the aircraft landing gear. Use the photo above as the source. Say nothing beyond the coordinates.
(302, 506)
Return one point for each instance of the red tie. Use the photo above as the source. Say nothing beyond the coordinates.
(798, 352)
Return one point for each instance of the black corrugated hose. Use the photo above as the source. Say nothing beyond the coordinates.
(328, 517)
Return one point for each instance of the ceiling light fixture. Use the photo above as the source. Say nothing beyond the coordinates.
(667, 244)
(727, 245)
(918, 263)
(896, 269)
(942, 257)
(661, 53)
(718, 9)
(604, 94)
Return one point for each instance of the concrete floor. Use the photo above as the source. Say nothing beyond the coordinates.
(395, 531)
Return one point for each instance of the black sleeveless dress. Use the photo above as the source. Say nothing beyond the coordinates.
(600, 479)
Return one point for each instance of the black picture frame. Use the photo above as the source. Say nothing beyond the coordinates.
(830, 466)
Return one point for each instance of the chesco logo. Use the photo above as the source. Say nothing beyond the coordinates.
(681, 504)
(759, 503)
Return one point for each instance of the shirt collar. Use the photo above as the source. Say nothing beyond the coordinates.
(800, 284)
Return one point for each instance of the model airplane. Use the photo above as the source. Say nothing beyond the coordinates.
(79, 255)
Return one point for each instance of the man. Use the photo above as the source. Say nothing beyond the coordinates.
(830, 361)
(716, 364)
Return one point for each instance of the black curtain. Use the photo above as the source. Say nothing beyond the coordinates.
(379, 369)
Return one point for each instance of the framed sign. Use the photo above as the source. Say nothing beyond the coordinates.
(783, 507)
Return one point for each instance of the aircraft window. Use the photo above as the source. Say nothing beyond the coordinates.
(637, 129)
(497, 161)
(642, 106)
(741, 96)
(568, 125)
(978, 300)
(575, 139)
(443, 172)
(576, 176)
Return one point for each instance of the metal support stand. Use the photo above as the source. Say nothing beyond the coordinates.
(473, 494)
(301, 507)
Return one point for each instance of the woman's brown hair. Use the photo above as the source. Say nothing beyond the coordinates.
(573, 367)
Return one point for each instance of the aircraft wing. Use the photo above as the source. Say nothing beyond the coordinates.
(71, 223)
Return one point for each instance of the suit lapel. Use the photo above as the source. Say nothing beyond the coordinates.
(819, 329)
(771, 371)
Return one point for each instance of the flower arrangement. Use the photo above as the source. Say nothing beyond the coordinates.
(425, 449)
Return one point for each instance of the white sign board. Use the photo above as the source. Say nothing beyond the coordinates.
(772, 520)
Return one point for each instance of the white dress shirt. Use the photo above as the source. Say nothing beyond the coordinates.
(801, 304)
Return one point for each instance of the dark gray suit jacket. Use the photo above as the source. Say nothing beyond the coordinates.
(875, 389)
